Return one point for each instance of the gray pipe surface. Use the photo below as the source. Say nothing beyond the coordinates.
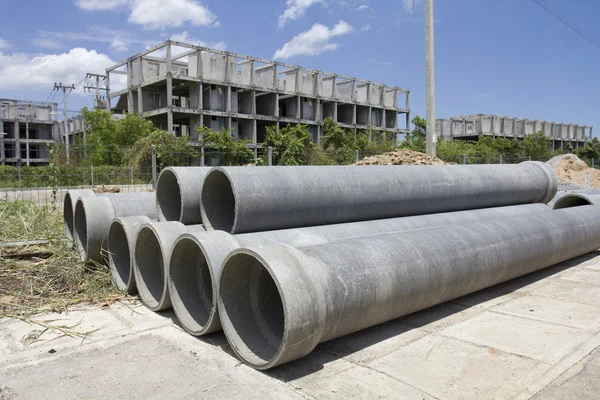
(178, 194)
(196, 259)
(242, 199)
(93, 216)
(152, 254)
(69, 208)
(277, 302)
(121, 242)
(577, 199)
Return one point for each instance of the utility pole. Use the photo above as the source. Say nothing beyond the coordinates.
(97, 87)
(65, 94)
(430, 79)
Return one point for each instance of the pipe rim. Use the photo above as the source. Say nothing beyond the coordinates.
(151, 282)
(68, 216)
(120, 258)
(219, 208)
(192, 286)
(169, 203)
(80, 225)
(572, 200)
(552, 187)
(232, 326)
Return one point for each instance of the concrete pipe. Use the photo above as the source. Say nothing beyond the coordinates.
(562, 193)
(121, 242)
(277, 302)
(240, 199)
(152, 254)
(69, 208)
(196, 259)
(577, 199)
(93, 216)
(178, 194)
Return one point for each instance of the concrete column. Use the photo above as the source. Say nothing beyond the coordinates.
(354, 114)
(298, 107)
(408, 112)
(27, 142)
(107, 92)
(254, 133)
(2, 148)
(17, 141)
(140, 101)
(130, 108)
(170, 121)
(335, 113)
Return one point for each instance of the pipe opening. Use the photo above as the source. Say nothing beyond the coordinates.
(569, 201)
(218, 202)
(253, 308)
(168, 197)
(81, 236)
(192, 286)
(68, 216)
(119, 257)
(149, 262)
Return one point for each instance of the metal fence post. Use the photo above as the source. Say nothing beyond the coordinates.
(202, 156)
(92, 172)
(154, 167)
(255, 154)
(529, 158)
(593, 163)
(464, 158)
(270, 156)
(131, 174)
(19, 168)
(356, 156)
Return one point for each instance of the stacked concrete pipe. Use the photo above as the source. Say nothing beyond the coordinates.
(152, 254)
(576, 199)
(69, 202)
(93, 216)
(121, 243)
(241, 199)
(178, 194)
(196, 259)
(277, 302)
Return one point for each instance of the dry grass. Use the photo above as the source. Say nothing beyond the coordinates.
(54, 279)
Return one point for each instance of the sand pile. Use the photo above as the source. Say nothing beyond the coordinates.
(401, 157)
(570, 168)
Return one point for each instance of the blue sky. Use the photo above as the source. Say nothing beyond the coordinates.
(508, 57)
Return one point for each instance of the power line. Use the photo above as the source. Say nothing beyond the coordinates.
(564, 20)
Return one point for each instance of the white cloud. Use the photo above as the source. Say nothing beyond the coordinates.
(364, 7)
(117, 40)
(20, 71)
(46, 43)
(160, 14)
(295, 9)
(100, 5)
(313, 41)
(186, 38)
(365, 27)
(4, 44)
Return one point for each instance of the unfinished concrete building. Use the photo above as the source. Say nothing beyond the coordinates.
(470, 127)
(179, 86)
(26, 131)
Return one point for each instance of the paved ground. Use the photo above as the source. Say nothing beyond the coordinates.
(537, 336)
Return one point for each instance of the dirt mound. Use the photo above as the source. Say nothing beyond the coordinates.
(570, 168)
(401, 157)
(107, 189)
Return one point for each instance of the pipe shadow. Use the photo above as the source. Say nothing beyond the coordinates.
(347, 345)
(215, 339)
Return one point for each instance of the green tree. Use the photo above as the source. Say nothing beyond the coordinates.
(415, 139)
(170, 150)
(537, 146)
(291, 145)
(590, 151)
(232, 152)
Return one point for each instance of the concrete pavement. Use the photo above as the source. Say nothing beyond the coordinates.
(536, 336)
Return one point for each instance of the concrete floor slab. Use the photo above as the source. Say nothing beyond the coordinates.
(365, 383)
(584, 275)
(451, 369)
(522, 336)
(560, 312)
(574, 291)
